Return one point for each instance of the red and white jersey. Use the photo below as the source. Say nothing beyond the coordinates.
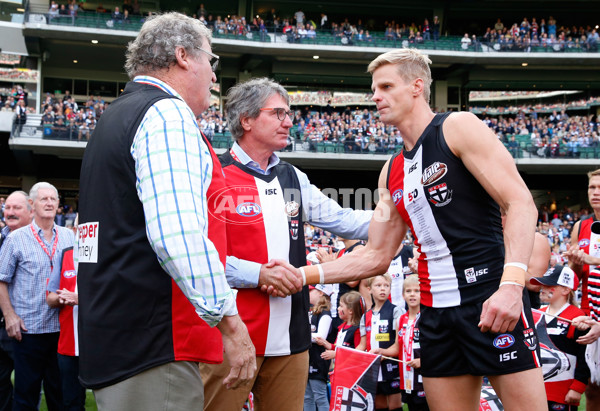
(264, 216)
(68, 342)
(589, 242)
(456, 224)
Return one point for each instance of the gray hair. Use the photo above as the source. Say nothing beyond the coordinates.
(246, 99)
(24, 194)
(33, 193)
(154, 47)
(411, 65)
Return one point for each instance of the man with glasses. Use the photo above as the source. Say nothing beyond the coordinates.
(265, 206)
(151, 255)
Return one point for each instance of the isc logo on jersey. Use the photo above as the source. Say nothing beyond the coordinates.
(248, 209)
(504, 341)
(397, 196)
(70, 274)
(433, 173)
(471, 274)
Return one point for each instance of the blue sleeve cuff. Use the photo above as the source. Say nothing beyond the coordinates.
(242, 273)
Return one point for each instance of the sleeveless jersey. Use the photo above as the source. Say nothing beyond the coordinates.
(265, 221)
(397, 270)
(346, 336)
(67, 342)
(318, 368)
(381, 334)
(589, 242)
(456, 224)
(156, 323)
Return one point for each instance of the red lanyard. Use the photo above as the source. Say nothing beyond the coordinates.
(39, 240)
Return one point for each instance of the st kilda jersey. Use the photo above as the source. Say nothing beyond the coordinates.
(456, 223)
(264, 222)
(589, 241)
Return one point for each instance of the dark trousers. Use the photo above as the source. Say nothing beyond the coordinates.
(35, 361)
(72, 391)
(6, 369)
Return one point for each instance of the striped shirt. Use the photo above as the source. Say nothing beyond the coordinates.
(173, 167)
(26, 267)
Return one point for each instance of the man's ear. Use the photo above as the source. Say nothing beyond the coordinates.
(247, 123)
(418, 87)
(182, 57)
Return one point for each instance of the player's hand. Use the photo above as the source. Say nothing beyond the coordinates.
(14, 325)
(501, 312)
(239, 350)
(278, 278)
(573, 397)
(413, 264)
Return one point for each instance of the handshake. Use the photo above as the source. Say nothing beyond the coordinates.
(278, 278)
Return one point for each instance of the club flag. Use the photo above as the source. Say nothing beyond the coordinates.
(489, 400)
(354, 383)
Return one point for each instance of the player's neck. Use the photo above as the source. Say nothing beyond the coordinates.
(412, 127)
(555, 306)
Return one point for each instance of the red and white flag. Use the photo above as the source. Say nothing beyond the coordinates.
(354, 381)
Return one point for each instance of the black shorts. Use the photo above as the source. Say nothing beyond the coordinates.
(452, 343)
(388, 387)
(416, 400)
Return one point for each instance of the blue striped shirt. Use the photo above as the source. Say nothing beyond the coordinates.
(173, 168)
(26, 268)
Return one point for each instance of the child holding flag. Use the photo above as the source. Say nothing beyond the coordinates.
(565, 370)
(378, 329)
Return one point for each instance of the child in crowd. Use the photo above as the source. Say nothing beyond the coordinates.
(378, 328)
(565, 381)
(350, 311)
(315, 397)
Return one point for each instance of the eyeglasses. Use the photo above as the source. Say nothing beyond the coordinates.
(214, 59)
(281, 112)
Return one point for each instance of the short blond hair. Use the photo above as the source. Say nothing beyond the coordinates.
(411, 64)
(412, 279)
(594, 173)
(386, 276)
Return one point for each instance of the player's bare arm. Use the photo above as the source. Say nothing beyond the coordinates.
(386, 232)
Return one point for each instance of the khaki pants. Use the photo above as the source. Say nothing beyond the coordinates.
(175, 386)
(279, 384)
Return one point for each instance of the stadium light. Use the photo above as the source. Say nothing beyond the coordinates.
(316, 57)
(94, 41)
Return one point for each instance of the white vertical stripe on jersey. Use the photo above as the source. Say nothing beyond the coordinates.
(444, 284)
(75, 329)
(278, 245)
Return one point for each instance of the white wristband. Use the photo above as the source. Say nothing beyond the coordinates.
(303, 276)
(511, 283)
(516, 264)
(321, 274)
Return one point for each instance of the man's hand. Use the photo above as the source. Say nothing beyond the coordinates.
(239, 350)
(67, 297)
(575, 255)
(501, 312)
(14, 325)
(279, 279)
(326, 254)
(583, 323)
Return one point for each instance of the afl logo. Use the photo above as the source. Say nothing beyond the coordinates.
(584, 243)
(70, 274)
(248, 209)
(397, 196)
(504, 341)
(433, 173)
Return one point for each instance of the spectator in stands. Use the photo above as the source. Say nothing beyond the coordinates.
(20, 117)
(465, 42)
(426, 30)
(53, 10)
(117, 16)
(299, 17)
(436, 28)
